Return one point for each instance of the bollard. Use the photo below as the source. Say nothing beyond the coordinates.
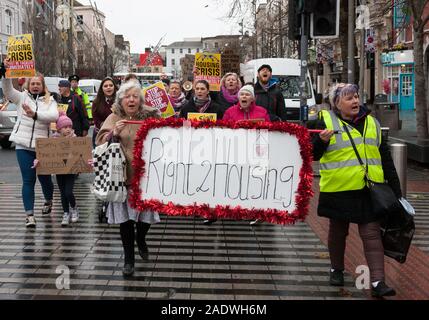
(399, 156)
(385, 133)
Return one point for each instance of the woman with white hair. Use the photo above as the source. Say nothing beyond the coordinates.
(344, 194)
(129, 105)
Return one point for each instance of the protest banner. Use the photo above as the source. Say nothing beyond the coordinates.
(156, 96)
(63, 155)
(230, 62)
(202, 116)
(21, 57)
(208, 67)
(231, 170)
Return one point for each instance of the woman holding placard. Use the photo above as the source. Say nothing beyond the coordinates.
(202, 102)
(36, 111)
(129, 105)
(177, 97)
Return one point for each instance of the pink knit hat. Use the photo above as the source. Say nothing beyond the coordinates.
(63, 121)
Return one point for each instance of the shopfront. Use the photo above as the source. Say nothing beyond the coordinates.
(398, 77)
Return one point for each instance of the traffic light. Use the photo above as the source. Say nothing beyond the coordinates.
(325, 19)
(294, 19)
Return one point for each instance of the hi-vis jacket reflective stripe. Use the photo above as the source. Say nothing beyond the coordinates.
(85, 100)
(340, 169)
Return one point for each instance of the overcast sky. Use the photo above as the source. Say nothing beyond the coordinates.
(144, 22)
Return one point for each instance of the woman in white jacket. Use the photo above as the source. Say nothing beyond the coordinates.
(36, 111)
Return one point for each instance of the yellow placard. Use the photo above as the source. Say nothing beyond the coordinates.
(202, 116)
(156, 96)
(21, 57)
(208, 67)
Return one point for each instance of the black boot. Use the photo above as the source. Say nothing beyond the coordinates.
(142, 230)
(382, 290)
(336, 278)
(127, 237)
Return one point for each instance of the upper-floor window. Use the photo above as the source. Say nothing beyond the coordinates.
(198, 50)
(172, 50)
(173, 62)
(80, 19)
(181, 50)
(189, 50)
(216, 45)
(8, 21)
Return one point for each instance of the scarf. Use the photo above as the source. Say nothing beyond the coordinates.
(179, 102)
(231, 98)
(202, 104)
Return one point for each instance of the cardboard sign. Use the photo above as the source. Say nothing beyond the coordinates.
(230, 62)
(63, 155)
(202, 116)
(208, 67)
(156, 96)
(21, 57)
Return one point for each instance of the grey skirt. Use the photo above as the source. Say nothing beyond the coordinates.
(120, 212)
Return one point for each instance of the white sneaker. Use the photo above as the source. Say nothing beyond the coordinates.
(66, 219)
(74, 214)
(30, 222)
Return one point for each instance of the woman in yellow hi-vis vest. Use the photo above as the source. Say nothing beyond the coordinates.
(344, 197)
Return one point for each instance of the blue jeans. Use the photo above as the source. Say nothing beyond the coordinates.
(25, 161)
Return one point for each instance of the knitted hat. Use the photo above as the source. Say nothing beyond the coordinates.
(249, 89)
(64, 121)
(64, 84)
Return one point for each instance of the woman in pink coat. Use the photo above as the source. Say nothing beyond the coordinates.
(246, 108)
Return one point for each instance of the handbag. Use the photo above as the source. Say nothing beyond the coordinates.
(109, 168)
(397, 232)
(383, 199)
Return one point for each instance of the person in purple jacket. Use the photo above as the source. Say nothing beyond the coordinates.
(246, 108)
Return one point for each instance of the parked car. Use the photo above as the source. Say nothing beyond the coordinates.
(90, 86)
(8, 118)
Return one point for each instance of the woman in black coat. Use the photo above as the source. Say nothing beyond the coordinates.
(347, 205)
(201, 102)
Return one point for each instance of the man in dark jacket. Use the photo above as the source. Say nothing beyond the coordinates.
(268, 95)
(74, 108)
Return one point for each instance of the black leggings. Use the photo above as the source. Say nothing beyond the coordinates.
(128, 237)
(66, 185)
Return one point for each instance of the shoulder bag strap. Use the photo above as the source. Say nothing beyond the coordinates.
(346, 129)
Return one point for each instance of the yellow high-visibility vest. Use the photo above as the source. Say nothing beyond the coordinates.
(340, 169)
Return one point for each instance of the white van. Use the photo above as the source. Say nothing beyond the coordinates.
(90, 86)
(287, 73)
(52, 83)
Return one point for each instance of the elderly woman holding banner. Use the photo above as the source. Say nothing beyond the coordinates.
(129, 105)
(37, 109)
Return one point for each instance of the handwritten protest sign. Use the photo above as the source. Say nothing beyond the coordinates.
(21, 57)
(224, 170)
(230, 62)
(202, 116)
(63, 155)
(208, 67)
(156, 96)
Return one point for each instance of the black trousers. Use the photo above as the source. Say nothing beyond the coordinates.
(128, 236)
(66, 185)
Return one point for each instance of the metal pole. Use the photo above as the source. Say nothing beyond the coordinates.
(70, 40)
(362, 61)
(280, 30)
(351, 43)
(304, 58)
(399, 156)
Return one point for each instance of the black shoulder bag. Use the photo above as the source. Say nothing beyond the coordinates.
(383, 199)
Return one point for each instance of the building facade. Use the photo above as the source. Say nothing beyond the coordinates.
(178, 50)
(11, 21)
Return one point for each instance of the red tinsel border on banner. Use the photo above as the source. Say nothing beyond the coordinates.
(304, 192)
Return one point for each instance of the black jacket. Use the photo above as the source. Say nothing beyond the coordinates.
(76, 113)
(191, 107)
(220, 100)
(352, 206)
(272, 100)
